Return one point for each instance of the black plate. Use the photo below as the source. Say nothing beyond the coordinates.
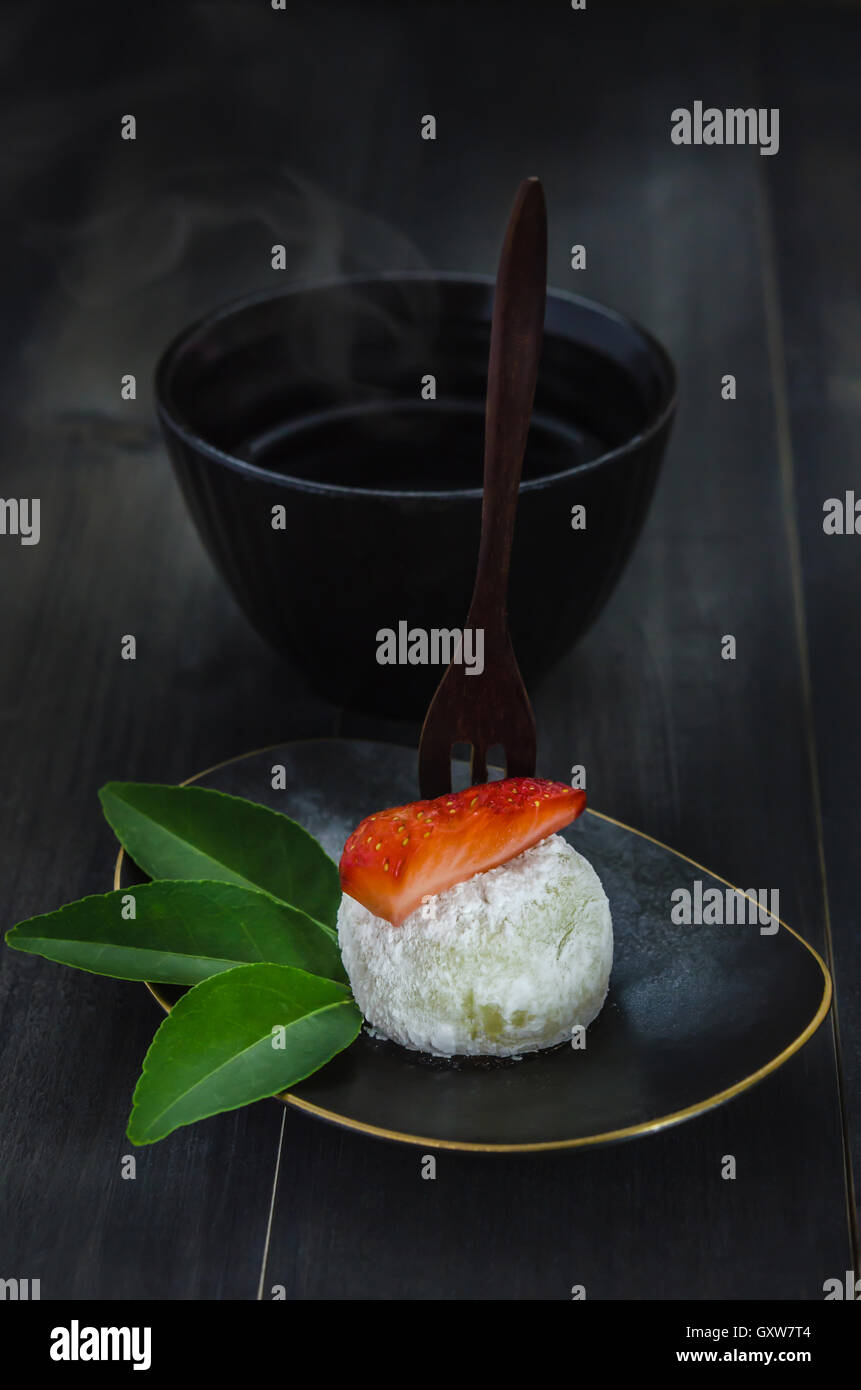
(695, 1014)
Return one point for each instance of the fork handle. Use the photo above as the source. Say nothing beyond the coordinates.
(515, 349)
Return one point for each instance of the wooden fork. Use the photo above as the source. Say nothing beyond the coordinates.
(492, 707)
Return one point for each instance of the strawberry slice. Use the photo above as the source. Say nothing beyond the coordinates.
(395, 858)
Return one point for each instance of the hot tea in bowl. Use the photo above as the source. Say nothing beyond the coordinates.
(328, 440)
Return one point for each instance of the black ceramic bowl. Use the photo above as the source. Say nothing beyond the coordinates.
(311, 399)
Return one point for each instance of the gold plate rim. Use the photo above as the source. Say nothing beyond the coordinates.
(586, 1141)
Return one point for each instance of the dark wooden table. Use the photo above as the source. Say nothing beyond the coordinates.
(255, 126)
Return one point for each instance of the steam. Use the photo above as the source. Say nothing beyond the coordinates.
(146, 262)
(151, 234)
(148, 235)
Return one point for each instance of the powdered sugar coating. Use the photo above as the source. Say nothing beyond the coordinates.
(507, 962)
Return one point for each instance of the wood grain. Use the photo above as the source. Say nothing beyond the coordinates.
(113, 249)
(814, 237)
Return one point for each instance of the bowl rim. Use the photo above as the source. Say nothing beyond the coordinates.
(175, 425)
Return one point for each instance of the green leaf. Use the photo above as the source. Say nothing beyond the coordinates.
(192, 832)
(181, 933)
(215, 1051)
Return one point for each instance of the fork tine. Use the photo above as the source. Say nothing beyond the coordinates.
(478, 765)
(521, 763)
(435, 755)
